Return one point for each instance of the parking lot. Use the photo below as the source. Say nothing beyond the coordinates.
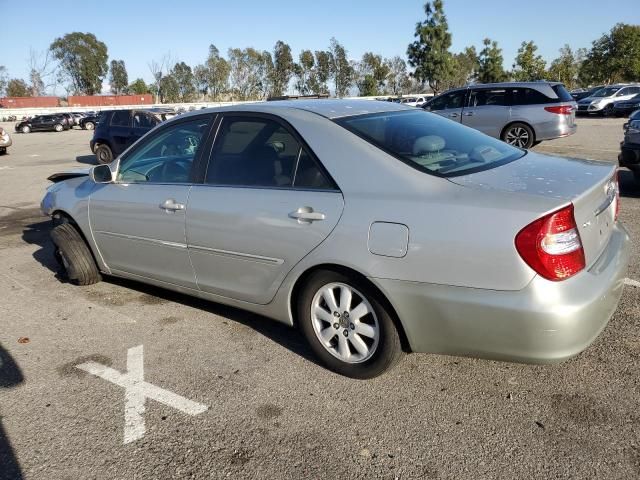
(253, 402)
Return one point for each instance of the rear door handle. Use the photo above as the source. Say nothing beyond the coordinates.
(468, 114)
(171, 205)
(306, 215)
(453, 115)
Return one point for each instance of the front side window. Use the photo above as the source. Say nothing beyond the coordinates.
(447, 100)
(142, 120)
(166, 157)
(431, 143)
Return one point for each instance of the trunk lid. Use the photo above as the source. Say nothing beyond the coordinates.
(589, 185)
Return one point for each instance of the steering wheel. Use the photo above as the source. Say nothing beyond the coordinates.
(172, 169)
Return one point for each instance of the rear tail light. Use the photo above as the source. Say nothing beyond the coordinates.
(560, 109)
(551, 245)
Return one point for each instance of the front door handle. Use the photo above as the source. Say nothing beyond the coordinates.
(453, 115)
(468, 114)
(170, 205)
(306, 215)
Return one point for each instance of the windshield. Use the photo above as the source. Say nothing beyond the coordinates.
(606, 92)
(431, 143)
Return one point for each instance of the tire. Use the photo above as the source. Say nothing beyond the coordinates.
(519, 135)
(608, 111)
(375, 329)
(74, 254)
(88, 126)
(58, 128)
(104, 154)
(26, 129)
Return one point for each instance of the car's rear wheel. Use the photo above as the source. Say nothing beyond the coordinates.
(74, 255)
(519, 135)
(104, 153)
(26, 129)
(89, 126)
(347, 326)
(58, 127)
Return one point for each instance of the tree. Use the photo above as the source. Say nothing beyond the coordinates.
(340, 68)
(183, 75)
(283, 69)
(398, 80)
(528, 66)
(138, 87)
(565, 68)
(37, 84)
(371, 74)
(119, 79)
(158, 69)
(42, 71)
(83, 61)
(170, 90)
(4, 79)
(614, 57)
(16, 87)
(429, 53)
(490, 63)
(213, 76)
(247, 72)
(304, 71)
(322, 72)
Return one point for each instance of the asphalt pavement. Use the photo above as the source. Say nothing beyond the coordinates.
(228, 394)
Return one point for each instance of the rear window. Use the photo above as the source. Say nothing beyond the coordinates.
(529, 96)
(431, 143)
(562, 93)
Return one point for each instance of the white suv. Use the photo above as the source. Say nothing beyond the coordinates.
(602, 100)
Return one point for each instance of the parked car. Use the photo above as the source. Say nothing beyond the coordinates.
(68, 119)
(626, 107)
(585, 92)
(116, 130)
(630, 147)
(5, 141)
(371, 226)
(522, 114)
(76, 116)
(43, 123)
(601, 102)
(88, 122)
(414, 101)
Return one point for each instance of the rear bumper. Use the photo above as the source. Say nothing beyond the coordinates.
(545, 322)
(554, 129)
(629, 156)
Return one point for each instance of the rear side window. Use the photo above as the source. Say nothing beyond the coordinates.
(486, 97)
(120, 118)
(447, 100)
(563, 94)
(528, 96)
(142, 120)
(261, 152)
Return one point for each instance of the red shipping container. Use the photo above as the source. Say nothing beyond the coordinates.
(108, 100)
(29, 102)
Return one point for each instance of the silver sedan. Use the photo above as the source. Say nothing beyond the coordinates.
(373, 227)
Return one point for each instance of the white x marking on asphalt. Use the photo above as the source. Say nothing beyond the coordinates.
(633, 283)
(136, 391)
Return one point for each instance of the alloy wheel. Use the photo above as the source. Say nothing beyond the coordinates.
(345, 323)
(518, 137)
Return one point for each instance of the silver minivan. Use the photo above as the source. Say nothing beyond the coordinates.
(521, 113)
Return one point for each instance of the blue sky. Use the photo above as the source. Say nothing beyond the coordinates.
(137, 31)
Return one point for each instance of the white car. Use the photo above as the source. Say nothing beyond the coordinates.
(602, 101)
(414, 101)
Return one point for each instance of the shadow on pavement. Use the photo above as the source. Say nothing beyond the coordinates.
(291, 339)
(87, 159)
(10, 376)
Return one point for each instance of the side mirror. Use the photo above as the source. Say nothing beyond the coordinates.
(101, 174)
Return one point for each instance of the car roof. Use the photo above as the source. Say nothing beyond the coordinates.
(328, 108)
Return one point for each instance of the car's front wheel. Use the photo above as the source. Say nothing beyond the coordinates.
(347, 325)
(104, 153)
(26, 129)
(608, 111)
(74, 255)
(519, 135)
(58, 127)
(89, 126)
